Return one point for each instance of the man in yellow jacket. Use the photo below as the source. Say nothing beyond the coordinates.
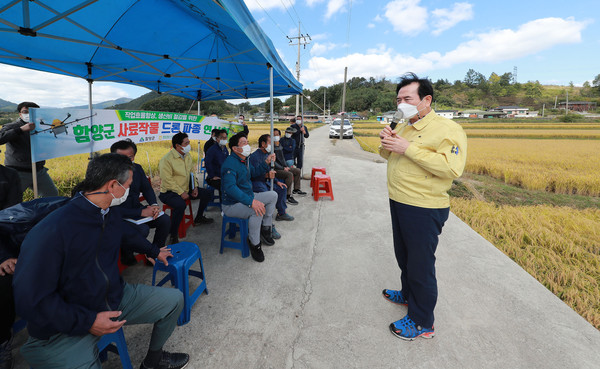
(176, 188)
(424, 154)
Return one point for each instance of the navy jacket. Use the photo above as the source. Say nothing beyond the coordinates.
(132, 208)
(236, 185)
(255, 159)
(10, 187)
(289, 147)
(213, 161)
(297, 136)
(68, 270)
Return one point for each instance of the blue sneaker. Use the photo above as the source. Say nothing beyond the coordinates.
(274, 233)
(407, 330)
(395, 296)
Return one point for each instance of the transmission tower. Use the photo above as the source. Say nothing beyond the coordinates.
(514, 74)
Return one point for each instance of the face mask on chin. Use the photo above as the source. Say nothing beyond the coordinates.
(118, 201)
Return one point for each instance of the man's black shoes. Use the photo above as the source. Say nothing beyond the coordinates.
(299, 192)
(291, 200)
(266, 236)
(173, 240)
(169, 360)
(256, 252)
(203, 220)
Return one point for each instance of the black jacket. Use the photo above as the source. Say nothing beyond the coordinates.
(18, 147)
(10, 187)
(298, 135)
(67, 270)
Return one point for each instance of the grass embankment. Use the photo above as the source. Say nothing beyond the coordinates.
(537, 201)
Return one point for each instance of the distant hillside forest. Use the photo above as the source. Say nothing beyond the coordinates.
(371, 96)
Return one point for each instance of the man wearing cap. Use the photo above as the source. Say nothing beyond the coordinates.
(16, 136)
(288, 145)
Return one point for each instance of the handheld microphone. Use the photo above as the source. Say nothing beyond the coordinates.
(396, 119)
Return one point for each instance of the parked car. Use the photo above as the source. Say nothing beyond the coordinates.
(334, 129)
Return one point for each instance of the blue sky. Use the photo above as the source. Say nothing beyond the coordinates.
(555, 42)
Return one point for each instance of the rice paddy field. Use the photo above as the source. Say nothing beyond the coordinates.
(532, 190)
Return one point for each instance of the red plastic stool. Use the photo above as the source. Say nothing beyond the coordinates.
(186, 221)
(322, 182)
(122, 267)
(316, 170)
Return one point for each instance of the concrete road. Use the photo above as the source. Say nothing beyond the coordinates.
(316, 300)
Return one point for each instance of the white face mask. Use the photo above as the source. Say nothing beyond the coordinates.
(408, 110)
(268, 148)
(216, 138)
(25, 118)
(186, 149)
(241, 121)
(246, 150)
(299, 122)
(223, 142)
(288, 135)
(276, 138)
(118, 201)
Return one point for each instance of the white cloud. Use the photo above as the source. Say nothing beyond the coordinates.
(313, 2)
(490, 47)
(406, 16)
(506, 44)
(52, 90)
(371, 25)
(335, 6)
(378, 18)
(319, 36)
(444, 19)
(268, 4)
(319, 48)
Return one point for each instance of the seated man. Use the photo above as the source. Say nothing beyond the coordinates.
(67, 284)
(132, 208)
(175, 187)
(261, 181)
(289, 174)
(210, 142)
(239, 201)
(288, 145)
(214, 159)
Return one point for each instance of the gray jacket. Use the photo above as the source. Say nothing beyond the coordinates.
(18, 147)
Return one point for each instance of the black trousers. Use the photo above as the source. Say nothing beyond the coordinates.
(176, 202)
(7, 303)
(299, 156)
(416, 232)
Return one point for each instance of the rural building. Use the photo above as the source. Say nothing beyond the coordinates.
(513, 111)
(446, 113)
(583, 106)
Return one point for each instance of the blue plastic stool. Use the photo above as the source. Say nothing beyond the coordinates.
(115, 342)
(214, 201)
(227, 235)
(185, 254)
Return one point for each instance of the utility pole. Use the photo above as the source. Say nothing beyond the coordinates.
(567, 104)
(343, 104)
(302, 40)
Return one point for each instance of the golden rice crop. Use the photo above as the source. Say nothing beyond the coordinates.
(559, 246)
(561, 166)
(521, 125)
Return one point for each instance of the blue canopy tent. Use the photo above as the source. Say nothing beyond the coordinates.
(198, 49)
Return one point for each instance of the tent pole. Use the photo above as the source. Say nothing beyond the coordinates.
(271, 98)
(302, 135)
(90, 81)
(34, 178)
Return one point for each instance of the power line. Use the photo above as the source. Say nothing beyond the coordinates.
(271, 18)
(348, 29)
(288, 12)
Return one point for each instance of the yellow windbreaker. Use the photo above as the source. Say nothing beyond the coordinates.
(436, 155)
(175, 172)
